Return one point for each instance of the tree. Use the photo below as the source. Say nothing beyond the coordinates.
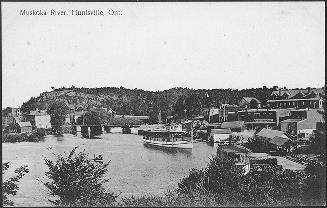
(78, 180)
(58, 112)
(10, 187)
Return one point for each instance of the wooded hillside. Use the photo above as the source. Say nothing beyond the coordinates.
(141, 102)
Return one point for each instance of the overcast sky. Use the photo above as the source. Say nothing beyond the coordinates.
(157, 46)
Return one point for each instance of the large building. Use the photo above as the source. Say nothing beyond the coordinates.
(297, 98)
(39, 119)
(263, 118)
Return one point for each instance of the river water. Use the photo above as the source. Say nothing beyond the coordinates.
(134, 168)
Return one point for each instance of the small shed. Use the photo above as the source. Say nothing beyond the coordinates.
(220, 135)
(23, 127)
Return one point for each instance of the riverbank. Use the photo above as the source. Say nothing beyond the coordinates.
(34, 136)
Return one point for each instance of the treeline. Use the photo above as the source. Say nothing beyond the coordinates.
(172, 102)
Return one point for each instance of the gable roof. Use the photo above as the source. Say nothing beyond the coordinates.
(293, 92)
(249, 99)
(298, 95)
(279, 140)
(270, 134)
(24, 124)
(221, 131)
(232, 124)
(38, 113)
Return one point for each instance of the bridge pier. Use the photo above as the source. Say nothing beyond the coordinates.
(126, 130)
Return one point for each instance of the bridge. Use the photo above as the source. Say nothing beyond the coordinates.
(104, 127)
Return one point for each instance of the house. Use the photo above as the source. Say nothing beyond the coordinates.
(297, 98)
(303, 121)
(23, 127)
(234, 126)
(11, 112)
(250, 102)
(265, 136)
(220, 135)
(39, 119)
(236, 153)
(289, 126)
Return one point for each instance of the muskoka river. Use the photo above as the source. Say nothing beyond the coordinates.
(133, 169)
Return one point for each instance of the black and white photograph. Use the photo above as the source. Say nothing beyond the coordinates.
(163, 104)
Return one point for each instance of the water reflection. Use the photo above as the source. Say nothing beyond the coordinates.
(134, 168)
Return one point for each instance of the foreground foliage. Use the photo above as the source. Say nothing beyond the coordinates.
(223, 184)
(77, 180)
(10, 186)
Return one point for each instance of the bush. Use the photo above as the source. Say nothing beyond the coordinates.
(12, 137)
(10, 187)
(227, 184)
(34, 136)
(77, 180)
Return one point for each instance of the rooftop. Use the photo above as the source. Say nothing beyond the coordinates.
(234, 148)
(269, 133)
(232, 124)
(249, 99)
(24, 124)
(279, 140)
(221, 131)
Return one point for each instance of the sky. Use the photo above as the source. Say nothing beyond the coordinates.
(157, 46)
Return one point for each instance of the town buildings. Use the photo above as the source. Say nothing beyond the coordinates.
(297, 98)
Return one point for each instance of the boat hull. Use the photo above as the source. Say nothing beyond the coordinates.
(177, 144)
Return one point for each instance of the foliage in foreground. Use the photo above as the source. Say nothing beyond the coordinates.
(34, 136)
(10, 186)
(223, 184)
(77, 180)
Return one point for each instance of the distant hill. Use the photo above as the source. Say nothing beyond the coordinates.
(141, 102)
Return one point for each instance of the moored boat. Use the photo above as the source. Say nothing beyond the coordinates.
(167, 139)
